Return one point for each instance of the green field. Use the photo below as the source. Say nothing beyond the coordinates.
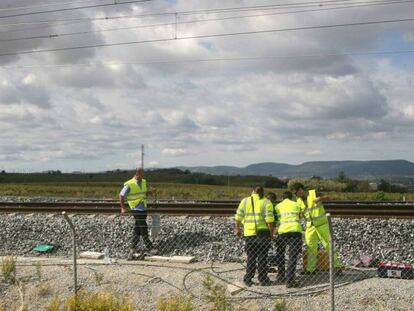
(110, 190)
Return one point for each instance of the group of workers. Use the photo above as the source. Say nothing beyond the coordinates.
(263, 221)
(260, 220)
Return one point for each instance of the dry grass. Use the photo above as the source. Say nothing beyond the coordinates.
(169, 191)
(8, 269)
(97, 301)
(175, 303)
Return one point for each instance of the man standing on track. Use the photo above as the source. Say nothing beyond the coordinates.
(256, 214)
(135, 191)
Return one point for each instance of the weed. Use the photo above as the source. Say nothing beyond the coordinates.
(175, 303)
(38, 266)
(23, 306)
(216, 295)
(44, 290)
(102, 301)
(98, 278)
(281, 305)
(54, 305)
(8, 269)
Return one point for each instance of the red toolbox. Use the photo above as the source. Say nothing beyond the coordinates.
(388, 269)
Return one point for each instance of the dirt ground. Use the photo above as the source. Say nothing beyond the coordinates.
(144, 282)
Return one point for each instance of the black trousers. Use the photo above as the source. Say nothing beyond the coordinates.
(294, 241)
(257, 249)
(140, 229)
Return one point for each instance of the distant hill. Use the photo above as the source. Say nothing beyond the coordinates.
(354, 169)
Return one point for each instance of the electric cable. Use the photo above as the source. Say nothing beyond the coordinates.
(46, 5)
(115, 3)
(181, 13)
(257, 58)
(57, 35)
(219, 35)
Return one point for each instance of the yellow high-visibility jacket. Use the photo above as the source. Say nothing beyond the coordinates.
(256, 216)
(288, 213)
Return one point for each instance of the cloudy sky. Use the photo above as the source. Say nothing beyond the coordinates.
(204, 82)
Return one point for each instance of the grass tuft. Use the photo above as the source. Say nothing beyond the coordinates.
(175, 303)
(97, 301)
(216, 295)
(8, 269)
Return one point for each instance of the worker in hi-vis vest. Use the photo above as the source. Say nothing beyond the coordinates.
(255, 213)
(289, 234)
(135, 192)
(317, 228)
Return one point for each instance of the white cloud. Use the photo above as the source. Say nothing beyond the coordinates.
(224, 112)
(174, 152)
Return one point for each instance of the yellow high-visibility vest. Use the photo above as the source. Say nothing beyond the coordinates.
(315, 214)
(257, 218)
(288, 213)
(136, 194)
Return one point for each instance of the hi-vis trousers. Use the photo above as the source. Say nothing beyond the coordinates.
(312, 237)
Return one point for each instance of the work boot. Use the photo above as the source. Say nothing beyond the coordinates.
(148, 243)
(266, 282)
(248, 283)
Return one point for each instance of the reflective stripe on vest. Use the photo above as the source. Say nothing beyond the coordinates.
(241, 210)
(288, 212)
(254, 218)
(136, 193)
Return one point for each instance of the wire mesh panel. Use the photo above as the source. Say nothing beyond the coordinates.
(218, 259)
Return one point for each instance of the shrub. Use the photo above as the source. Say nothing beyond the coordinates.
(281, 305)
(216, 295)
(44, 290)
(380, 195)
(100, 301)
(175, 303)
(98, 278)
(319, 184)
(54, 305)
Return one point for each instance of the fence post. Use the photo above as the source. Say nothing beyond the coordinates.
(331, 262)
(155, 222)
(75, 266)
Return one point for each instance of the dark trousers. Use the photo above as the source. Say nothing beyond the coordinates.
(257, 249)
(140, 229)
(294, 241)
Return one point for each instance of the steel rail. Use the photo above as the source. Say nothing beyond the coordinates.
(106, 200)
(337, 208)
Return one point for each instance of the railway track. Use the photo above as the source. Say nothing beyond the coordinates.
(345, 209)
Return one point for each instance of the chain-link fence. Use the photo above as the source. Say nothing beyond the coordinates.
(215, 256)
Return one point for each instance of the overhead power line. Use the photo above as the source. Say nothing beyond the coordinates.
(57, 35)
(209, 36)
(205, 11)
(46, 5)
(115, 3)
(222, 59)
